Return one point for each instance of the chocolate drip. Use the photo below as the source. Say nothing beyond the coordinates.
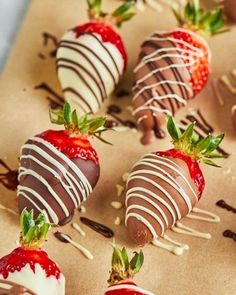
(11, 288)
(113, 110)
(47, 37)
(42, 56)
(59, 235)
(98, 227)
(10, 178)
(57, 101)
(229, 234)
(224, 205)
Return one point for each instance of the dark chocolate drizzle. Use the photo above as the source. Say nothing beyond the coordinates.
(10, 178)
(113, 110)
(48, 37)
(122, 93)
(56, 101)
(59, 236)
(229, 234)
(224, 205)
(111, 124)
(98, 227)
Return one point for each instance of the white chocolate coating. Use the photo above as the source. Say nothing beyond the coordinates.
(88, 70)
(37, 281)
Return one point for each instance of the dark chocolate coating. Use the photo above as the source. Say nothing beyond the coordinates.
(88, 167)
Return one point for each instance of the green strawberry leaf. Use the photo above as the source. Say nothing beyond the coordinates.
(122, 9)
(211, 163)
(173, 129)
(67, 113)
(137, 262)
(188, 133)
(125, 258)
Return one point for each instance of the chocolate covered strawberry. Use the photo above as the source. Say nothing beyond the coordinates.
(29, 265)
(59, 168)
(123, 271)
(173, 67)
(91, 58)
(164, 186)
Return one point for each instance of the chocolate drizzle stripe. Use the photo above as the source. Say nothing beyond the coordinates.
(60, 237)
(169, 61)
(98, 227)
(48, 89)
(104, 47)
(81, 78)
(69, 89)
(80, 66)
(224, 205)
(76, 187)
(63, 44)
(94, 68)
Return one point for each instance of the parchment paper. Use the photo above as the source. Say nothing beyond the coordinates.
(209, 267)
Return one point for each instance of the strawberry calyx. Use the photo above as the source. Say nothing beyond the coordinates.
(80, 127)
(193, 166)
(117, 17)
(205, 22)
(122, 267)
(189, 143)
(33, 231)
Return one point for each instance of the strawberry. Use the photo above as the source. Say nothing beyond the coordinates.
(29, 265)
(59, 168)
(122, 273)
(91, 58)
(164, 186)
(173, 67)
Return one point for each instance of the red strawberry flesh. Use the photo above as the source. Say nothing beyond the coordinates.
(73, 146)
(19, 257)
(200, 70)
(107, 34)
(124, 291)
(193, 166)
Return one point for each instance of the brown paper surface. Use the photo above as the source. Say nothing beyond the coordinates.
(209, 267)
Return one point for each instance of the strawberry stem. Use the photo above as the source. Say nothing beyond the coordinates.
(33, 231)
(122, 267)
(117, 17)
(84, 125)
(205, 22)
(189, 143)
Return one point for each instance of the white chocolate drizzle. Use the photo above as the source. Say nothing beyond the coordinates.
(227, 83)
(174, 246)
(2, 207)
(82, 249)
(77, 227)
(216, 90)
(175, 57)
(76, 186)
(183, 229)
(155, 162)
(213, 218)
